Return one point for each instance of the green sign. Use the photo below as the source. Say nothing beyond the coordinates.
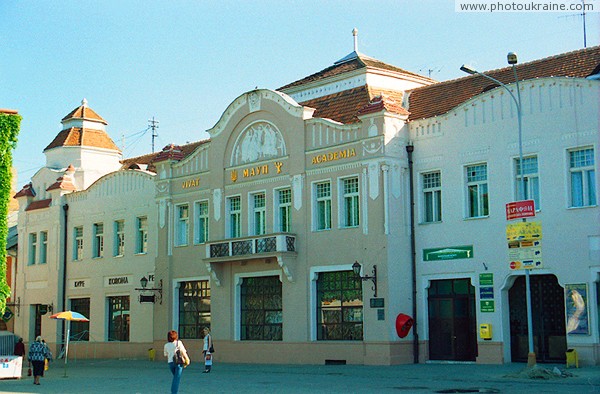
(8, 314)
(448, 253)
(486, 279)
(486, 305)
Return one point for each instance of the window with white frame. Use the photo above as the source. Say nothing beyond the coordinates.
(182, 224)
(350, 202)
(284, 210)
(234, 207)
(432, 197)
(528, 175)
(78, 243)
(339, 306)
(32, 248)
(119, 240)
(142, 235)
(322, 195)
(201, 225)
(259, 213)
(477, 191)
(43, 247)
(98, 246)
(582, 177)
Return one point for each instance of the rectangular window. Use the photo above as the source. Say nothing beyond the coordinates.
(323, 205)
(142, 235)
(339, 306)
(477, 191)
(529, 176)
(194, 308)
(582, 177)
(32, 248)
(350, 202)
(201, 225)
(78, 243)
(80, 330)
(259, 213)
(235, 217)
(432, 197)
(119, 242)
(98, 240)
(284, 210)
(182, 225)
(118, 318)
(43, 247)
(261, 309)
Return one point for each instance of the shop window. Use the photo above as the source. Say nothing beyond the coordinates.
(194, 308)
(118, 318)
(80, 330)
(339, 306)
(261, 309)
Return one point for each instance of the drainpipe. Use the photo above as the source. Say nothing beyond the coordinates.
(413, 256)
(64, 278)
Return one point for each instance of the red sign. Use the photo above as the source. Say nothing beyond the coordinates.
(520, 209)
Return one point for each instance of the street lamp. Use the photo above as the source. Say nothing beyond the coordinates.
(356, 268)
(511, 58)
(144, 288)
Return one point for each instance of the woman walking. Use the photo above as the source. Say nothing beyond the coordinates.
(173, 344)
(38, 354)
(207, 350)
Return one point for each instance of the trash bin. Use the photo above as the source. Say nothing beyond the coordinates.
(151, 354)
(572, 358)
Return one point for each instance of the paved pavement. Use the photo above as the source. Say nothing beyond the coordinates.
(142, 376)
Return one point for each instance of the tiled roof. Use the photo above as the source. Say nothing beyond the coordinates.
(84, 112)
(344, 106)
(439, 98)
(359, 62)
(26, 191)
(39, 204)
(381, 103)
(8, 111)
(150, 158)
(76, 136)
(62, 183)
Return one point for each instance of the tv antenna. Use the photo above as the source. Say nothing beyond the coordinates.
(153, 124)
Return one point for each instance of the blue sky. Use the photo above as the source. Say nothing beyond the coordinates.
(183, 62)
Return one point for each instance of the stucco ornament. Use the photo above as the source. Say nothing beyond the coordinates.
(217, 194)
(259, 141)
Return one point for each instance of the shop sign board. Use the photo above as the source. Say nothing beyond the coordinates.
(448, 253)
(525, 255)
(520, 209)
(486, 306)
(486, 279)
(486, 292)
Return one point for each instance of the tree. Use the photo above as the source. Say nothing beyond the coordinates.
(10, 123)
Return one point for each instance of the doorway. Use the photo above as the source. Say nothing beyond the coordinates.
(452, 321)
(548, 320)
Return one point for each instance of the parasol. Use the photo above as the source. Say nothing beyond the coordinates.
(69, 316)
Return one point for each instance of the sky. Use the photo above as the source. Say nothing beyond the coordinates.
(184, 62)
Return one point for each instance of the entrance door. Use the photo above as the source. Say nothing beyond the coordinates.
(548, 309)
(452, 334)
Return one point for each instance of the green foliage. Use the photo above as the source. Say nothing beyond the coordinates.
(9, 129)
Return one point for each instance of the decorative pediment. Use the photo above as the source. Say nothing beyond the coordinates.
(259, 141)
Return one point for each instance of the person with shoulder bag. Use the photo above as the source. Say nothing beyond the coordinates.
(177, 358)
(207, 350)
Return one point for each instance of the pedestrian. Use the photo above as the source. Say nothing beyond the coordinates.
(173, 344)
(38, 354)
(19, 348)
(207, 350)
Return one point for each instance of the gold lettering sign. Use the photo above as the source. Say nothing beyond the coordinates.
(255, 171)
(190, 183)
(333, 156)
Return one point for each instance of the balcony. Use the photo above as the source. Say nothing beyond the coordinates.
(281, 246)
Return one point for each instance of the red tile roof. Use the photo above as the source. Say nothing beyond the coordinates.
(39, 204)
(76, 136)
(26, 191)
(8, 111)
(84, 112)
(381, 103)
(150, 158)
(357, 63)
(62, 183)
(344, 106)
(438, 99)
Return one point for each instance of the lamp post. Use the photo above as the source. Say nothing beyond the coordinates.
(511, 57)
(356, 269)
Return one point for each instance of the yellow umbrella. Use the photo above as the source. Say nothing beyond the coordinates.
(69, 316)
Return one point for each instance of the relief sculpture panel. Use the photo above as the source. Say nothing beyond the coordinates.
(259, 141)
